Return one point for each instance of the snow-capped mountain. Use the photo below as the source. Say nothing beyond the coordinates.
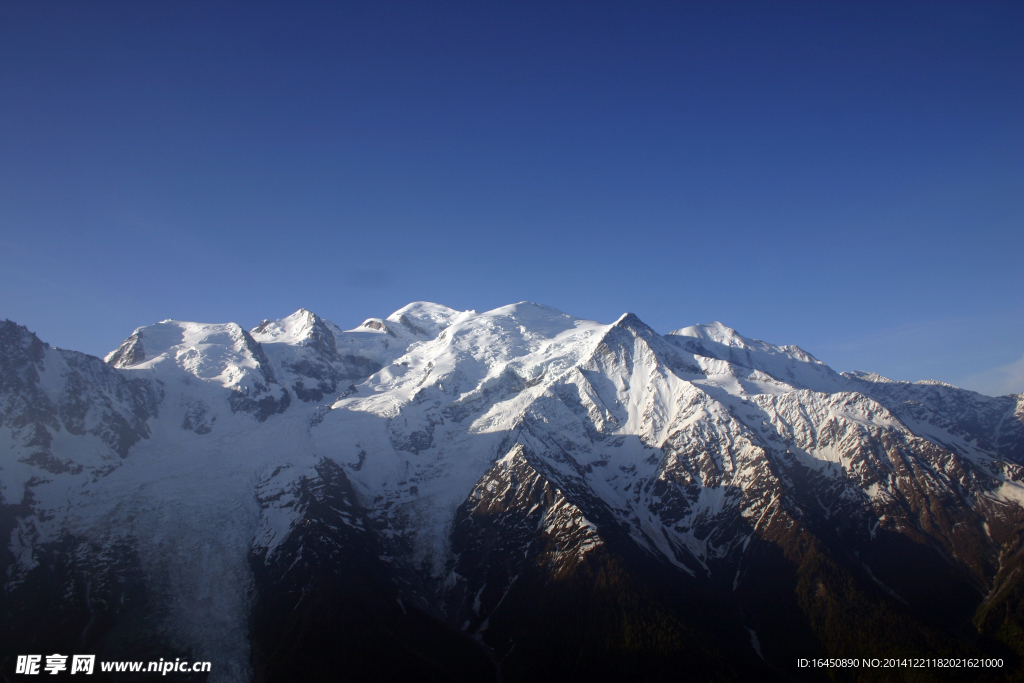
(515, 494)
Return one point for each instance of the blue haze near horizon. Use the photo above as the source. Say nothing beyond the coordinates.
(847, 177)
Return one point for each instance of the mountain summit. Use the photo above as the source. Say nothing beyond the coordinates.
(516, 494)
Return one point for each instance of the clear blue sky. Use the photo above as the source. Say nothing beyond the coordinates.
(848, 177)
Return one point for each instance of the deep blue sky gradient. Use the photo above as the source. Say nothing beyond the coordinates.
(848, 177)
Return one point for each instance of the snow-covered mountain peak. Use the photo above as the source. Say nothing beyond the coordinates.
(535, 319)
(130, 352)
(526, 339)
(936, 383)
(789, 364)
(376, 325)
(719, 333)
(633, 322)
(630, 340)
(425, 318)
(876, 378)
(297, 328)
(224, 354)
(716, 332)
(868, 377)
